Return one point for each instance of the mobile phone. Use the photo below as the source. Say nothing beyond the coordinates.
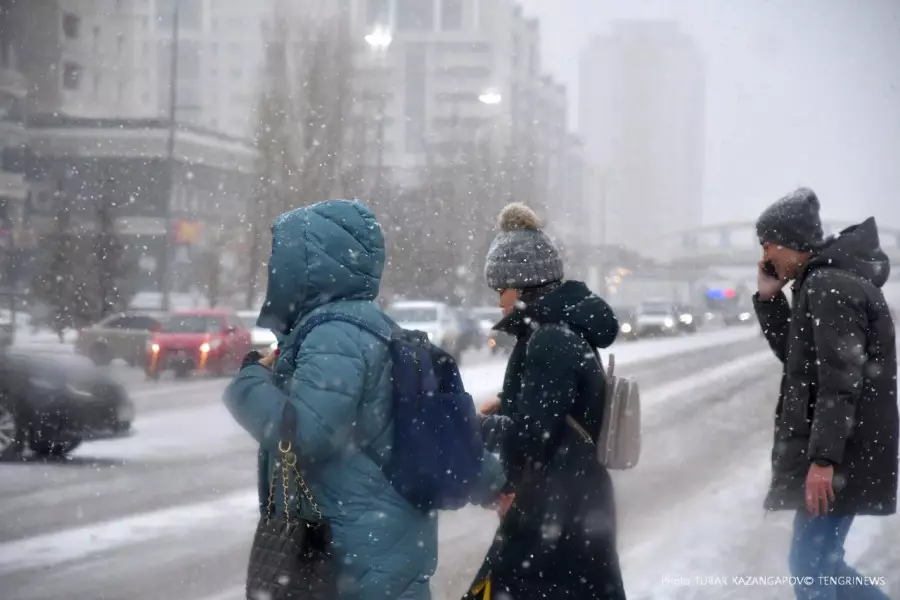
(769, 270)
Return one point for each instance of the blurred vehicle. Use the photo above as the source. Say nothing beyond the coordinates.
(211, 341)
(7, 332)
(262, 340)
(657, 317)
(627, 317)
(487, 317)
(470, 333)
(501, 341)
(121, 336)
(51, 402)
(731, 305)
(689, 318)
(435, 319)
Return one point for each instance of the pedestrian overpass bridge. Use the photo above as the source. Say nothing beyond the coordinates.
(735, 245)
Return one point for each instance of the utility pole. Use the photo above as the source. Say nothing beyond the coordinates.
(165, 271)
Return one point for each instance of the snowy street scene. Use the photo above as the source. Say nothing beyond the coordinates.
(169, 512)
(449, 300)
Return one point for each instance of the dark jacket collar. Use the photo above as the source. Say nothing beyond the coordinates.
(572, 304)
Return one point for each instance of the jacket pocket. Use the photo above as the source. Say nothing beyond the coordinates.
(796, 413)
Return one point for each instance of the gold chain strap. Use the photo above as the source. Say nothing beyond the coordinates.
(270, 506)
(289, 461)
(285, 482)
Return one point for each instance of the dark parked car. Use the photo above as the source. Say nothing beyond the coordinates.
(51, 402)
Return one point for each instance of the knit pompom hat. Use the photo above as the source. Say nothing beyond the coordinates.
(792, 222)
(522, 255)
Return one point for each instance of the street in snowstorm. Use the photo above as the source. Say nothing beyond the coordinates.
(169, 513)
(224, 221)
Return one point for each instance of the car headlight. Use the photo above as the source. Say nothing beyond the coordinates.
(273, 346)
(686, 319)
(744, 316)
(210, 345)
(626, 328)
(669, 322)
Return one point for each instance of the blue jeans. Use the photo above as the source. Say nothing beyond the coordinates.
(817, 551)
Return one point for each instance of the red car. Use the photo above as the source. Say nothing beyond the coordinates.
(208, 341)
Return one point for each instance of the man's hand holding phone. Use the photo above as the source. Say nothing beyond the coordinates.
(767, 280)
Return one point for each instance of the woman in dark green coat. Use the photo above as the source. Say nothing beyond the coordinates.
(558, 538)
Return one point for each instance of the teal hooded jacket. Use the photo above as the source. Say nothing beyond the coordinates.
(329, 258)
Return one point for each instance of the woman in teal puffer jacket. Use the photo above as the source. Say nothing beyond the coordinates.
(329, 258)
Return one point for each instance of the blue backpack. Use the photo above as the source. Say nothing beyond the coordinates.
(437, 453)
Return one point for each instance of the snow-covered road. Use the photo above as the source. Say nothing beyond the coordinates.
(168, 514)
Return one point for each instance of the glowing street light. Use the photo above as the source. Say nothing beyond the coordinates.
(490, 97)
(379, 39)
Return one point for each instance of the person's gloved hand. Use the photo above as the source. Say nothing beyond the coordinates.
(255, 358)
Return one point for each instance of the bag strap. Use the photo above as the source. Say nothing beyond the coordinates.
(570, 420)
(288, 430)
(288, 458)
(321, 318)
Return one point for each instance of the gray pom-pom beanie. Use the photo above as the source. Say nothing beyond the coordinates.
(792, 222)
(522, 255)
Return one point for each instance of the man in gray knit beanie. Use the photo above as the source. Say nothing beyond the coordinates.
(522, 256)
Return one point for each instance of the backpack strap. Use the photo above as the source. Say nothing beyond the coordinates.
(325, 317)
(570, 420)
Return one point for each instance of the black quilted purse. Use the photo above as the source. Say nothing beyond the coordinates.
(291, 555)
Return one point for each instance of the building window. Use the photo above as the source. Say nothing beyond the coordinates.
(465, 72)
(190, 14)
(415, 15)
(188, 59)
(415, 96)
(451, 15)
(71, 25)
(71, 75)
(378, 12)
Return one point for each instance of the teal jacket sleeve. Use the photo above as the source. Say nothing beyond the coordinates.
(325, 391)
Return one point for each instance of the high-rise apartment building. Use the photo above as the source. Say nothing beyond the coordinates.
(454, 72)
(77, 56)
(643, 118)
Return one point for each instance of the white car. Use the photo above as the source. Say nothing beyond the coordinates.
(263, 340)
(433, 318)
(656, 318)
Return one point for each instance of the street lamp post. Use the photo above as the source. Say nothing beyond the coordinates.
(379, 41)
(165, 267)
